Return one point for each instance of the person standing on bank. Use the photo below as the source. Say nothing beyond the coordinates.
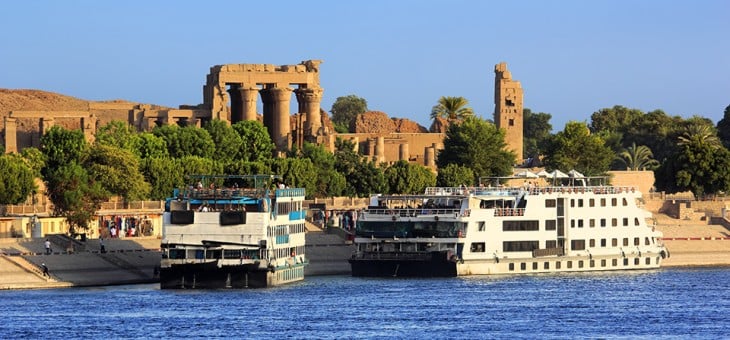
(45, 270)
(48, 247)
(102, 248)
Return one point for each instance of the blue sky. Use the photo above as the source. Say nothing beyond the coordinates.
(572, 57)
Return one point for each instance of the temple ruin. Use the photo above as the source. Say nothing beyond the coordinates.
(231, 93)
(508, 104)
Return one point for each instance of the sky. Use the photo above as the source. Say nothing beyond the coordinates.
(572, 58)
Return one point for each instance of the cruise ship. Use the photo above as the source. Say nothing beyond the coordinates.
(233, 232)
(571, 225)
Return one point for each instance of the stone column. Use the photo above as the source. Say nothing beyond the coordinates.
(236, 103)
(380, 149)
(11, 135)
(277, 101)
(249, 97)
(88, 126)
(403, 152)
(309, 103)
(429, 157)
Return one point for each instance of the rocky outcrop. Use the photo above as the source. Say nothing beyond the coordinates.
(379, 122)
(439, 125)
(372, 122)
(403, 125)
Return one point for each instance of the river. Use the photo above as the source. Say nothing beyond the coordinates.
(665, 303)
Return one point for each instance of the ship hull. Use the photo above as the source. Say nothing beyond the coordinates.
(435, 265)
(210, 276)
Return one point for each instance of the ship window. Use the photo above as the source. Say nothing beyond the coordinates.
(592, 243)
(648, 260)
(509, 246)
(626, 242)
(636, 241)
(636, 221)
(550, 225)
(550, 204)
(614, 262)
(534, 266)
(523, 266)
(592, 202)
(592, 263)
(614, 242)
(614, 222)
(603, 263)
(603, 243)
(578, 244)
(625, 202)
(580, 203)
(570, 264)
(551, 244)
(636, 261)
(572, 223)
(626, 262)
(482, 226)
(580, 223)
(592, 223)
(546, 265)
(614, 202)
(603, 202)
(646, 241)
(477, 247)
(520, 225)
(580, 264)
(626, 221)
(511, 267)
(603, 222)
(557, 264)
(572, 203)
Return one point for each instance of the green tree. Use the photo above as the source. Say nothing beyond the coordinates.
(616, 118)
(723, 128)
(116, 133)
(75, 195)
(638, 158)
(576, 148)
(196, 165)
(147, 145)
(407, 178)
(345, 109)
(478, 145)
(17, 180)
(452, 108)
(454, 175)
(62, 147)
(256, 143)
(240, 167)
(118, 171)
(701, 164)
(164, 174)
(35, 159)
(536, 131)
(297, 173)
(227, 141)
(329, 182)
(361, 175)
(186, 141)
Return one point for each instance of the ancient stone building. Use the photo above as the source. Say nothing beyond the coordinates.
(231, 93)
(243, 83)
(508, 106)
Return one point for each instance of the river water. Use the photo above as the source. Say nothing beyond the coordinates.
(666, 303)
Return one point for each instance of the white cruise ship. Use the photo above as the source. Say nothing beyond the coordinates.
(506, 230)
(233, 232)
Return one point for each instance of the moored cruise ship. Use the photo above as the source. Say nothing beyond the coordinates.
(574, 226)
(233, 232)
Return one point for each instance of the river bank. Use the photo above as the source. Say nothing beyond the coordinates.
(132, 261)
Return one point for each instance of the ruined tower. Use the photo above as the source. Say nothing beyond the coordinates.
(508, 108)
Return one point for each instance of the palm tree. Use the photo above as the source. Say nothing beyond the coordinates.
(638, 158)
(452, 108)
(699, 135)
